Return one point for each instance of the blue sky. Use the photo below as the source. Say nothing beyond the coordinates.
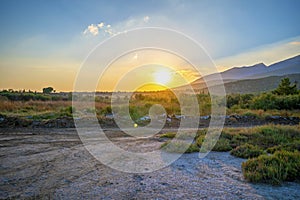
(41, 35)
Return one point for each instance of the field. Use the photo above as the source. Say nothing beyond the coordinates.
(41, 106)
(42, 155)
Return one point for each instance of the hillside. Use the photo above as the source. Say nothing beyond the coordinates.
(251, 79)
(258, 85)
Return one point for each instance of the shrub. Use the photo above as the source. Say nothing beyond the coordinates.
(292, 146)
(68, 111)
(269, 136)
(222, 145)
(226, 135)
(238, 140)
(251, 114)
(201, 132)
(179, 146)
(281, 166)
(192, 148)
(268, 101)
(246, 151)
(292, 164)
(168, 135)
(200, 140)
(267, 169)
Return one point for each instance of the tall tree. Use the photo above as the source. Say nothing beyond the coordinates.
(48, 90)
(285, 87)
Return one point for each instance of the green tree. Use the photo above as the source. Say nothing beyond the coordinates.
(48, 90)
(285, 87)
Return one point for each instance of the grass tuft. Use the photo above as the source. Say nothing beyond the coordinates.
(247, 151)
(274, 169)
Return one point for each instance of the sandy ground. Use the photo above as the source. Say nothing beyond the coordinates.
(53, 164)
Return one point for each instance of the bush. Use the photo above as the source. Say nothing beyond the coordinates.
(269, 101)
(251, 114)
(179, 146)
(282, 166)
(238, 140)
(292, 164)
(168, 135)
(292, 146)
(247, 151)
(269, 136)
(192, 148)
(200, 140)
(68, 111)
(222, 145)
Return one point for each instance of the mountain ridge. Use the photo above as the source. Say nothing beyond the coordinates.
(234, 76)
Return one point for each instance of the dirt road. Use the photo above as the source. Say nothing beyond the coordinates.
(53, 163)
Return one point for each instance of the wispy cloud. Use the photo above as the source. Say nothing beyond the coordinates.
(108, 29)
(188, 74)
(295, 43)
(100, 25)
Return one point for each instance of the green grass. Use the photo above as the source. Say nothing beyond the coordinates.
(247, 151)
(249, 141)
(168, 135)
(179, 146)
(222, 145)
(274, 169)
(291, 146)
(282, 142)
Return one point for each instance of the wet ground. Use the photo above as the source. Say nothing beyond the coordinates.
(53, 163)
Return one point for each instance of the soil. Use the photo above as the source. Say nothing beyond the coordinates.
(53, 164)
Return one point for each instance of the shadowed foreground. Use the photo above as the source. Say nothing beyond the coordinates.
(52, 163)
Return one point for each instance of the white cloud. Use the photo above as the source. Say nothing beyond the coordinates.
(121, 27)
(100, 25)
(93, 29)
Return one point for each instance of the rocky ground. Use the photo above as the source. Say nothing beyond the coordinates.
(53, 163)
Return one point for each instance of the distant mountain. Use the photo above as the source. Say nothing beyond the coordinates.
(289, 66)
(258, 85)
(249, 79)
(237, 73)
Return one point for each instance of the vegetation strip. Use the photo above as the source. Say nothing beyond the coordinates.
(273, 150)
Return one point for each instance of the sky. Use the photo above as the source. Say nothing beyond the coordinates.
(44, 43)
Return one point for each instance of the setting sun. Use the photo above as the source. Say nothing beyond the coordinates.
(162, 77)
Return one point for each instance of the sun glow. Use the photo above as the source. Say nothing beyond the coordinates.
(162, 77)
